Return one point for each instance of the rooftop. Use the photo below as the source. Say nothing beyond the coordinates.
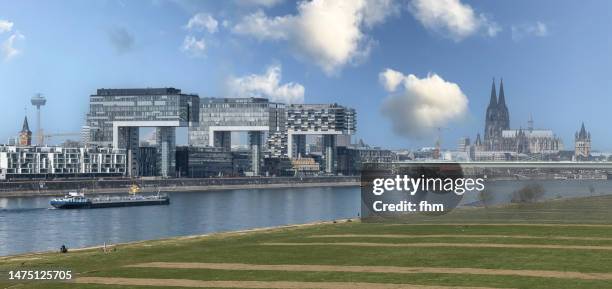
(138, 91)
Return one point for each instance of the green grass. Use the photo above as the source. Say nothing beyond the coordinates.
(245, 248)
(590, 210)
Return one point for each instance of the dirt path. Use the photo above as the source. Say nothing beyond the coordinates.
(254, 284)
(402, 236)
(379, 269)
(457, 245)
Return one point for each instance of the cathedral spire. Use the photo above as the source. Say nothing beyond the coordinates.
(25, 127)
(502, 99)
(493, 101)
(25, 136)
(583, 133)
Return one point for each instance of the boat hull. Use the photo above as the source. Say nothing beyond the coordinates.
(109, 204)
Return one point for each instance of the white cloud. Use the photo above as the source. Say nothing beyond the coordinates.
(8, 46)
(264, 3)
(420, 105)
(331, 33)
(259, 26)
(193, 46)
(537, 29)
(390, 79)
(5, 26)
(452, 18)
(376, 11)
(267, 85)
(203, 21)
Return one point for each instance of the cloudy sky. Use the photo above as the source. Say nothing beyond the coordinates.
(407, 66)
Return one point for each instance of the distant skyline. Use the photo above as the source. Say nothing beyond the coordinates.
(407, 67)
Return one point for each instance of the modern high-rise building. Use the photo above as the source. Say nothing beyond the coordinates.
(328, 120)
(219, 117)
(115, 116)
(286, 127)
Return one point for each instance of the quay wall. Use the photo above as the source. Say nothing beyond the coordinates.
(121, 185)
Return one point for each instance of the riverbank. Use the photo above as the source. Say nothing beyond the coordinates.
(574, 253)
(148, 243)
(60, 187)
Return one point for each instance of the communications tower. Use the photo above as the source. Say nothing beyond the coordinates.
(39, 100)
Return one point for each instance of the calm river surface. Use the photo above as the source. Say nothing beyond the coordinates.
(29, 225)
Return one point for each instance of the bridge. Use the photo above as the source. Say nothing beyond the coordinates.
(512, 169)
(509, 164)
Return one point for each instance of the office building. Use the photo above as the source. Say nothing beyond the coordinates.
(115, 116)
(351, 159)
(204, 162)
(327, 120)
(278, 167)
(242, 163)
(258, 117)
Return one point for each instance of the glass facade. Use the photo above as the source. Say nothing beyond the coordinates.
(218, 116)
(115, 116)
(137, 105)
(236, 114)
(257, 116)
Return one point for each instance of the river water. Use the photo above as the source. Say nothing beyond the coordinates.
(29, 224)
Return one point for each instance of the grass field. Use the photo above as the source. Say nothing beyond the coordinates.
(555, 244)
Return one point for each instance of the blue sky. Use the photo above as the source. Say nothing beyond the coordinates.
(555, 58)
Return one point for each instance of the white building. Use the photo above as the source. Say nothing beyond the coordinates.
(34, 161)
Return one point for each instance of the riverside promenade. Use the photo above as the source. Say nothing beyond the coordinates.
(119, 185)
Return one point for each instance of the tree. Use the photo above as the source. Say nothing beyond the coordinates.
(530, 193)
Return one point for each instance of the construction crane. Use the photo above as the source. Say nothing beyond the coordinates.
(437, 151)
(52, 135)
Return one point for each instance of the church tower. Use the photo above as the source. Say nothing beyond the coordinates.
(582, 140)
(502, 110)
(25, 136)
(490, 120)
(497, 119)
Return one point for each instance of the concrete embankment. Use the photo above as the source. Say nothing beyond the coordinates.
(102, 186)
